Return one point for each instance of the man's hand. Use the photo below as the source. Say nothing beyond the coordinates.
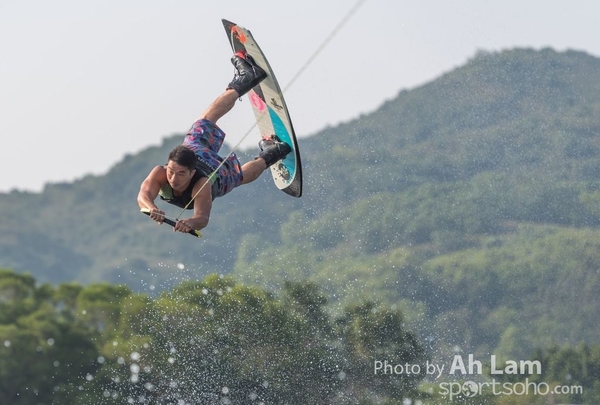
(157, 215)
(183, 226)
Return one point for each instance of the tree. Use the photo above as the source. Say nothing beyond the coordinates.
(373, 336)
(43, 357)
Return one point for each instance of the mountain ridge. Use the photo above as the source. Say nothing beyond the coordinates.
(405, 125)
(495, 160)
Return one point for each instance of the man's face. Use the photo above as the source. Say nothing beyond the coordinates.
(178, 176)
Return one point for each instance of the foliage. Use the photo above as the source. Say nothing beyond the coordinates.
(506, 293)
(44, 356)
(205, 342)
(218, 341)
(570, 374)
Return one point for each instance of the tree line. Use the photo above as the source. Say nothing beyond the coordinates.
(216, 341)
(203, 342)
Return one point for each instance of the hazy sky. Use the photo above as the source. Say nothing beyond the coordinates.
(82, 83)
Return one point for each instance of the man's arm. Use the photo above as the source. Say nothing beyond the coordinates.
(149, 191)
(202, 207)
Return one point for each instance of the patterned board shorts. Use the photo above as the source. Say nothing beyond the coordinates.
(205, 138)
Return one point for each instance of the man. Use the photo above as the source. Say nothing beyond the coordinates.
(189, 180)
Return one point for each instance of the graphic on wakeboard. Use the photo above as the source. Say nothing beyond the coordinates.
(270, 110)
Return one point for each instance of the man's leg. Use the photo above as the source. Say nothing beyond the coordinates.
(221, 106)
(252, 170)
(248, 75)
(270, 153)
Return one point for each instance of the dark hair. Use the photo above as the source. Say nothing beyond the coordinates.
(184, 156)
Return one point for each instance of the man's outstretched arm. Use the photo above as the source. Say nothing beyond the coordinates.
(149, 191)
(202, 207)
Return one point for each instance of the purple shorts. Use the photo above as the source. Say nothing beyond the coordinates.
(205, 138)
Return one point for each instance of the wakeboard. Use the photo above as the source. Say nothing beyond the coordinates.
(270, 110)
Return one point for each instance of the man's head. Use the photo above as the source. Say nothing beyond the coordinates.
(181, 167)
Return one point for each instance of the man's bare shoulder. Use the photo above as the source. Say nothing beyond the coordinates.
(157, 175)
(158, 171)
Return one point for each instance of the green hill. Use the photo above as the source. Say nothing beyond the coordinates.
(470, 202)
